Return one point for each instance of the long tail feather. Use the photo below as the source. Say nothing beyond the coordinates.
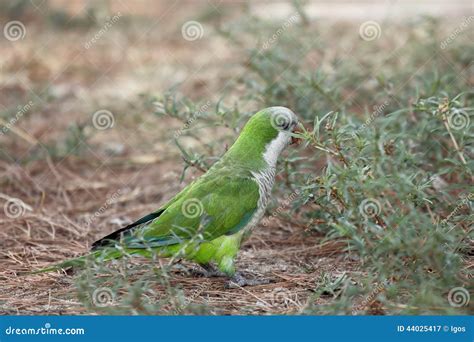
(80, 262)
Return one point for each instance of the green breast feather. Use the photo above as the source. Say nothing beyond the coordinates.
(207, 220)
(204, 222)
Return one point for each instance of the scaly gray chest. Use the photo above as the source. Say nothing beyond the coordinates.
(264, 180)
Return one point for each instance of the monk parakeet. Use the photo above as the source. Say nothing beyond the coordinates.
(210, 218)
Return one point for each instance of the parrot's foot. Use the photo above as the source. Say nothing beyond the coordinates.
(207, 271)
(238, 280)
(70, 271)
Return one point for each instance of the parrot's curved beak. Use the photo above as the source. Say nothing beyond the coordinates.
(294, 140)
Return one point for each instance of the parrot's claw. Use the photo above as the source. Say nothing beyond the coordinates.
(70, 271)
(207, 271)
(238, 280)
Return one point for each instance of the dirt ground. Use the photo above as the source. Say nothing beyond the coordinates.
(53, 230)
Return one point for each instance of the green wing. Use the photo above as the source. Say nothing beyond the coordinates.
(219, 203)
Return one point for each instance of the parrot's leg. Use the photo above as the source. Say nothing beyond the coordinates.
(212, 271)
(238, 280)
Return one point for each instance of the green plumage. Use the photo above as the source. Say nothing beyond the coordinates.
(207, 221)
(204, 221)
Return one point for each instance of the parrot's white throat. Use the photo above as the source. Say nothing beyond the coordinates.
(275, 147)
(284, 120)
(266, 177)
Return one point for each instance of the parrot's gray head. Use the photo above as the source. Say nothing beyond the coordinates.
(284, 121)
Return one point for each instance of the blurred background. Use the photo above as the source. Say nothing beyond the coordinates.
(108, 108)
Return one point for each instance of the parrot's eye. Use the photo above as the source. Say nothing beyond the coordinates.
(285, 125)
(288, 125)
(281, 122)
